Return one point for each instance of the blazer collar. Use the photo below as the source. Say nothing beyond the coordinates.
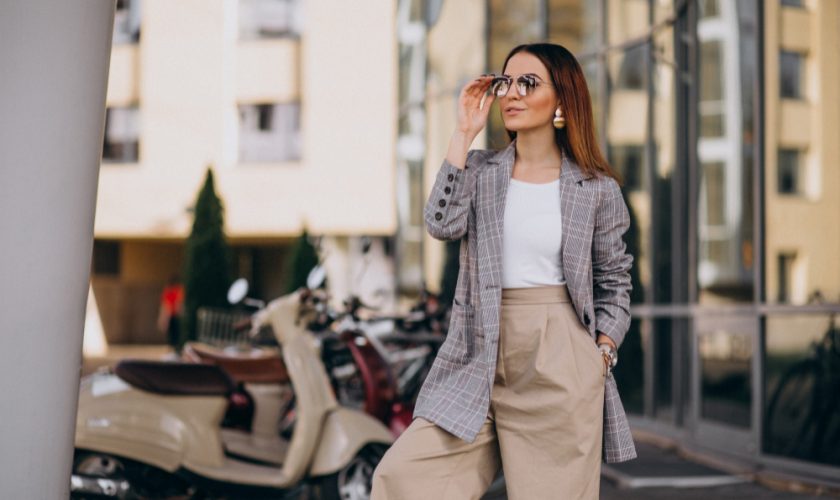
(570, 172)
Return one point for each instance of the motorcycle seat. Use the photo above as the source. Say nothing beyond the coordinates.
(263, 368)
(175, 378)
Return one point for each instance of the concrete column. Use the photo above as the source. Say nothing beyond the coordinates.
(54, 59)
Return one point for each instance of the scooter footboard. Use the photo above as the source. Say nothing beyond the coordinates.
(345, 432)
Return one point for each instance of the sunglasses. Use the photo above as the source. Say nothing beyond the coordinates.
(525, 84)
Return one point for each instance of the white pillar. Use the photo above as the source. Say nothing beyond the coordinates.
(54, 58)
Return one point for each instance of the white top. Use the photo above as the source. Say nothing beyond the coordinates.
(532, 235)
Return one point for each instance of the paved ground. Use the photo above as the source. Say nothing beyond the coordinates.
(656, 474)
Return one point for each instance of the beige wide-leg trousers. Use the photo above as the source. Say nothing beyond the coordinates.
(544, 426)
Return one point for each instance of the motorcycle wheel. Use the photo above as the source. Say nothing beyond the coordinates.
(353, 481)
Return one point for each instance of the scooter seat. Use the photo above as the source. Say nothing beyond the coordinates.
(265, 368)
(173, 378)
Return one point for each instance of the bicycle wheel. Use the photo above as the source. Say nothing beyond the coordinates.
(790, 421)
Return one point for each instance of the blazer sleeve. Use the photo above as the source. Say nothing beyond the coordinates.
(448, 205)
(611, 266)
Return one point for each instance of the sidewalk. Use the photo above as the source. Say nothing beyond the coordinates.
(661, 473)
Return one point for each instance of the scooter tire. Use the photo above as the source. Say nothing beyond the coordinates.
(353, 481)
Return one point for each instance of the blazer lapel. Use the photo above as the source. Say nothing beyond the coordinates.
(573, 198)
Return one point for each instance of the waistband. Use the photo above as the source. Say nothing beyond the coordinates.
(547, 294)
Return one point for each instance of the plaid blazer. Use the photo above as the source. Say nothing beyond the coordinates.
(468, 204)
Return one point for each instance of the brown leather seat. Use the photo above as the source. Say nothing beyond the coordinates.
(174, 378)
(264, 368)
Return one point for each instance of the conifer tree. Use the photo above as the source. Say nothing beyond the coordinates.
(207, 258)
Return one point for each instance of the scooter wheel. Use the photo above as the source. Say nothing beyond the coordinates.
(353, 481)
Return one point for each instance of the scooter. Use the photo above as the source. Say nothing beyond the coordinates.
(154, 429)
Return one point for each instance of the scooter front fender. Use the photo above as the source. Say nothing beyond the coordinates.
(345, 432)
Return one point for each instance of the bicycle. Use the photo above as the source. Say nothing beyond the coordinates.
(803, 416)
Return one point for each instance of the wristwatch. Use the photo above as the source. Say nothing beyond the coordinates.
(610, 353)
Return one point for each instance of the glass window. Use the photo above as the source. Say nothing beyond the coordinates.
(709, 8)
(269, 18)
(711, 105)
(106, 258)
(789, 171)
(791, 68)
(725, 358)
(713, 193)
(786, 263)
(122, 135)
(269, 132)
(127, 22)
(802, 418)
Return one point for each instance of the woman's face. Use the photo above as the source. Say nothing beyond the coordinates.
(534, 110)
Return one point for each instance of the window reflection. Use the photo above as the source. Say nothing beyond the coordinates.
(791, 68)
(725, 359)
(802, 388)
(725, 150)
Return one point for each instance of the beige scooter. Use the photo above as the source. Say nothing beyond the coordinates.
(153, 429)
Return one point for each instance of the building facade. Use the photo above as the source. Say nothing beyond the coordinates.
(294, 109)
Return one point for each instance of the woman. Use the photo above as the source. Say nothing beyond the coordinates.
(523, 380)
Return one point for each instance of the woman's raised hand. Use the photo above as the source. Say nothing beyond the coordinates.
(472, 116)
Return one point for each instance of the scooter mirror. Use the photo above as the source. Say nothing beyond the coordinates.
(316, 277)
(237, 291)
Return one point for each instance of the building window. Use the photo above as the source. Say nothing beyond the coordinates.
(793, 3)
(709, 8)
(714, 187)
(127, 22)
(790, 171)
(269, 19)
(785, 262)
(711, 105)
(269, 132)
(106, 258)
(791, 72)
(122, 135)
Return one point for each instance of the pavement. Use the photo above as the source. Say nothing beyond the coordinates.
(663, 473)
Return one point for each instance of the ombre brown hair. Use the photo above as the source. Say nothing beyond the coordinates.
(577, 139)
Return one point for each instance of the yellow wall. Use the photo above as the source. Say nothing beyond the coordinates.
(807, 224)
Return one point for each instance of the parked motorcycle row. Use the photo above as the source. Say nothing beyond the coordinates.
(308, 418)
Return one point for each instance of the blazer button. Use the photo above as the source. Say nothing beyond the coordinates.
(442, 203)
(586, 319)
(447, 190)
(438, 216)
(450, 177)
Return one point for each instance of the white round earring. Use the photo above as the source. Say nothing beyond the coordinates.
(559, 121)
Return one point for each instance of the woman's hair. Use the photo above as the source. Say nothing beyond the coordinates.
(577, 139)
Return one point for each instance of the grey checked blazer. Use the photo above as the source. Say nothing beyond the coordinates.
(468, 204)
